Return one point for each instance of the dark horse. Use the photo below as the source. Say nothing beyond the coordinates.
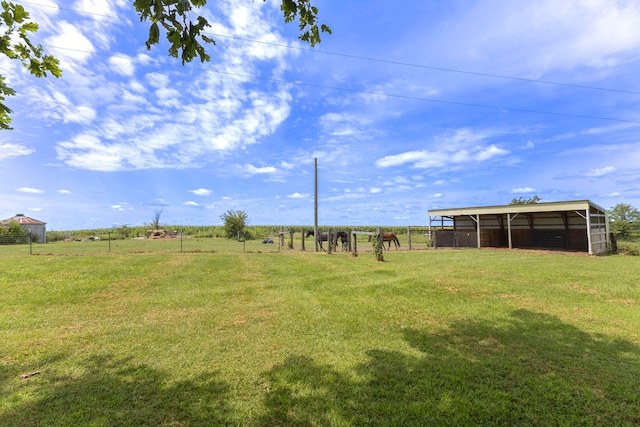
(344, 239)
(389, 237)
(323, 237)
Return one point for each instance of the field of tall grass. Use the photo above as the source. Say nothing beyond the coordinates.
(438, 337)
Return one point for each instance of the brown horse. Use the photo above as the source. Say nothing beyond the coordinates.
(388, 236)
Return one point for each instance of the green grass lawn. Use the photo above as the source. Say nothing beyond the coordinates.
(439, 337)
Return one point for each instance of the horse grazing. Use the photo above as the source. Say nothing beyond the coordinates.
(388, 236)
(344, 239)
(324, 237)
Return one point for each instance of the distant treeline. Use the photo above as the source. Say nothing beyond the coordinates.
(252, 232)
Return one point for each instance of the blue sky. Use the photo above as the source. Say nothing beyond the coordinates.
(407, 107)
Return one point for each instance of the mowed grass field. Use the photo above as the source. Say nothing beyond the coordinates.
(437, 337)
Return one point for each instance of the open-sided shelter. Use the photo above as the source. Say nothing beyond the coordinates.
(578, 225)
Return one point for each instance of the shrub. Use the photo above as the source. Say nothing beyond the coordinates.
(629, 248)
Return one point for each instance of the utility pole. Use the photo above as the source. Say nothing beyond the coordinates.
(315, 203)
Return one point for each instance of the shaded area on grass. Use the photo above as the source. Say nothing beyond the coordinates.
(527, 369)
(531, 369)
(114, 392)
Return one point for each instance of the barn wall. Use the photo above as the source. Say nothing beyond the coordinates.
(548, 230)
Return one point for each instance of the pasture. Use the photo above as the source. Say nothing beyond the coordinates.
(446, 337)
(113, 243)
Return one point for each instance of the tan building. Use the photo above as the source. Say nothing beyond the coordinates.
(37, 228)
(578, 225)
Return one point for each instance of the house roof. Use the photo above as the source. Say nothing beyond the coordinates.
(22, 220)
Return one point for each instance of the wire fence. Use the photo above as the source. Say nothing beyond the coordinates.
(177, 242)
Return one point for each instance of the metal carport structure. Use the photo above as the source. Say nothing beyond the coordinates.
(578, 225)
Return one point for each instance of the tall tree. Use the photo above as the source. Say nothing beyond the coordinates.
(623, 217)
(155, 223)
(15, 43)
(234, 222)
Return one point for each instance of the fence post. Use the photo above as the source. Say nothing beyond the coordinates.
(380, 254)
(181, 237)
(330, 239)
(30, 247)
(109, 240)
(354, 248)
(302, 238)
(409, 235)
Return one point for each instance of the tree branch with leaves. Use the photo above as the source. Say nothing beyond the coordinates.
(15, 44)
(186, 35)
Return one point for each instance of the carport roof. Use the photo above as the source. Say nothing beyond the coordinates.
(574, 205)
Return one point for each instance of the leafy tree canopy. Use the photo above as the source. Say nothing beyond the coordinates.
(234, 221)
(185, 35)
(525, 200)
(623, 216)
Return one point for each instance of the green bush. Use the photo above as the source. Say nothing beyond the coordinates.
(14, 234)
(629, 248)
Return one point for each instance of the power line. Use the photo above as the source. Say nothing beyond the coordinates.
(386, 61)
(429, 67)
(389, 95)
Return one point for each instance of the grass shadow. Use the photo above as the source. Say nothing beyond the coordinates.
(529, 369)
(114, 392)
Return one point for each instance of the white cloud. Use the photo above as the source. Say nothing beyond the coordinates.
(375, 190)
(256, 171)
(454, 148)
(600, 172)
(286, 165)
(79, 114)
(13, 150)
(77, 48)
(523, 190)
(298, 196)
(344, 124)
(29, 190)
(547, 35)
(64, 192)
(191, 203)
(490, 152)
(122, 64)
(201, 192)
